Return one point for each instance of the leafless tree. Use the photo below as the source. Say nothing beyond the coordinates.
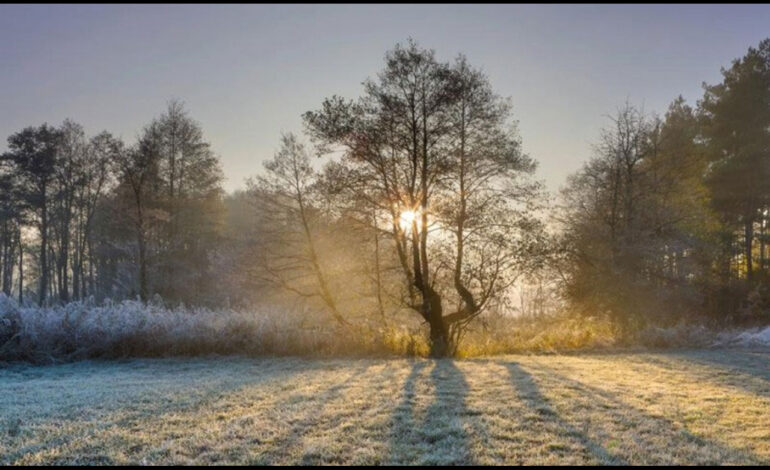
(432, 149)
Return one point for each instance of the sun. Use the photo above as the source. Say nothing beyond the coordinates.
(406, 219)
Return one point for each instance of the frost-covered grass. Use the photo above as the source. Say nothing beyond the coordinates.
(693, 407)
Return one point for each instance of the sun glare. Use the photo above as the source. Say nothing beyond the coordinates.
(406, 218)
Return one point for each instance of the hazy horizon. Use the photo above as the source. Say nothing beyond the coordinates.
(248, 72)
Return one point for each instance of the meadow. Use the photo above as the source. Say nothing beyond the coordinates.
(699, 406)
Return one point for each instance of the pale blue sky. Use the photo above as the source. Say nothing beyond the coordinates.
(247, 72)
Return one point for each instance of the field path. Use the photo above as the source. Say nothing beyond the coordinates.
(690, 407)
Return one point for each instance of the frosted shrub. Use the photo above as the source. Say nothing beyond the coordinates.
(754, 337)
(84, 329)
(680, 335)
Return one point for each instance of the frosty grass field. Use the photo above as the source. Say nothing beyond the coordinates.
(691, 407)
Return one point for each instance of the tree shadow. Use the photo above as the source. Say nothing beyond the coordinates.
(284, 444)
(529, 393)
(149, 403)
(403, 428)
(609, 416)
(439, 437)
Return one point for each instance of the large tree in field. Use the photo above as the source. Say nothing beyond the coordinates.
(430, 149)
(31, 159)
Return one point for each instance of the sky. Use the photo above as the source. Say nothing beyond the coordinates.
(248, 72)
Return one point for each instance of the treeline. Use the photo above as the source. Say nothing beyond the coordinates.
(89, 216)
(426, 214)
(669, 219)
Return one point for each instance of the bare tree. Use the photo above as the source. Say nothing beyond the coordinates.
(138, 168)
(636, 219)
(432, 149)
(285, 197)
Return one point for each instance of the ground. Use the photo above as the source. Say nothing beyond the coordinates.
(689, 407)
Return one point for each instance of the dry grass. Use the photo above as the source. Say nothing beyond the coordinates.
(699, 407)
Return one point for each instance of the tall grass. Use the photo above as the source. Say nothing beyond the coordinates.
(562, 332)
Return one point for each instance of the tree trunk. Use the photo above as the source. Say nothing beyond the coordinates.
(64, 293)
(76, 275)
(440, 344)
(142, 267)
(749, 238)
(77, 268)
(21, 271)
(8, 259)
(52, 279)
(377, 274)
(440, 341)
(762, 242)
(43, 290)
(91, 262)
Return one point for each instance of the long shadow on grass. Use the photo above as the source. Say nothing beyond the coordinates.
(607, 414)
(284, 445)
(148, 403)
(403, 424)
(530, 394)
(439, 439)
